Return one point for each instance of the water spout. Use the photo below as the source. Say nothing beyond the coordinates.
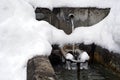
(71, 17)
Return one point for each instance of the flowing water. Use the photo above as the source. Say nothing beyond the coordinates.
(95, 72)
(73, 27)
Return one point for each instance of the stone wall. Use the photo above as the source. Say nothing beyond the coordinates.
(39, 68)
(59, 17)
(47, 15)
(108, 59)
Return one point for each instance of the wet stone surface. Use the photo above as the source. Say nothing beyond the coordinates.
(95, 72)
(39, 68)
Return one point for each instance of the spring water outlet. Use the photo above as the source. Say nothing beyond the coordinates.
(71, 16)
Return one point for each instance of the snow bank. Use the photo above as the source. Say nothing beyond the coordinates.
(22, 37)
(105, 33)
(71, 3)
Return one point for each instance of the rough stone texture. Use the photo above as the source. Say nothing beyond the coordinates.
(82, 17)
(47, 15)
(39, 68)
(96, 15)
(59, 17)
(108, 59)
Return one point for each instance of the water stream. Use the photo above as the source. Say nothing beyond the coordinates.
(71, 16)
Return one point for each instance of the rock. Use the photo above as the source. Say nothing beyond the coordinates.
(39, 68)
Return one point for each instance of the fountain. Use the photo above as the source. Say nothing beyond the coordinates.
(77, 59)
(79, 17)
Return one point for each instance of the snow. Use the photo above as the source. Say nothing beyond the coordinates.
(71, 3)
(84, 56)
(69, 56)
(105, 33)
(83, 3)
(41, 3)
(22, 37)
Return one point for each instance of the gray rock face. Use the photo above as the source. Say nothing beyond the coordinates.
(59, 17)
(108, 59)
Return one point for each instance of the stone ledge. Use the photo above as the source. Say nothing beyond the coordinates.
(108, 59)
(39, 68)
